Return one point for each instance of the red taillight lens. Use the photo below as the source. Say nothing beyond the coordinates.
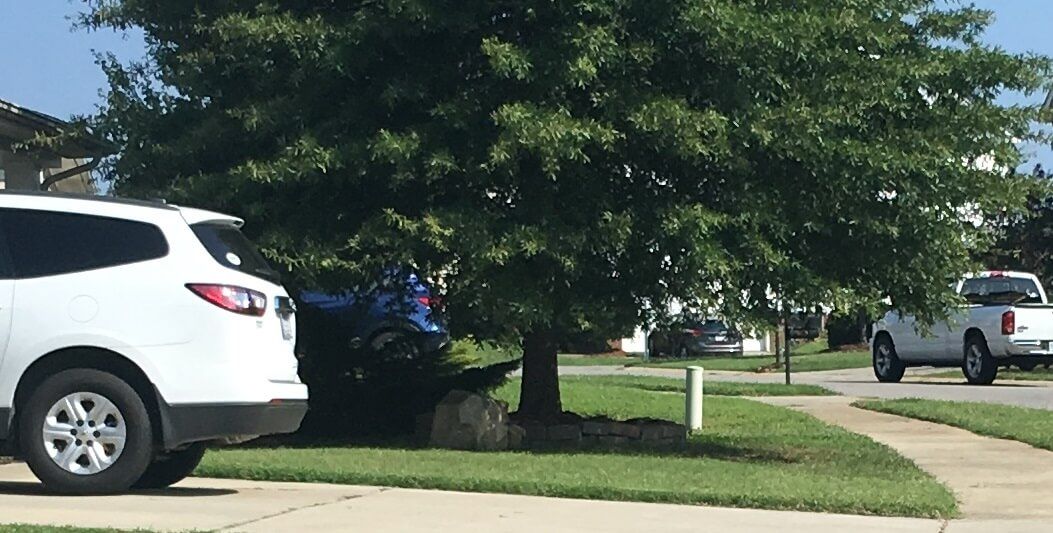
(1008, 323)
(431, 302)
(693, 332)
(235, 299)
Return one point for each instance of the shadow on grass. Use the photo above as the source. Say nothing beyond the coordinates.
(694, 448)
(649, 387)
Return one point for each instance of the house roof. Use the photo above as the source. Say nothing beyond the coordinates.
(19, 124)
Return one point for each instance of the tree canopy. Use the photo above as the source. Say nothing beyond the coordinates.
(578, 164)
(1024, 241)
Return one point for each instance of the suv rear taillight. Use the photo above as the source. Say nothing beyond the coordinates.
(232, 298)
(433, 303)
(1008, 323)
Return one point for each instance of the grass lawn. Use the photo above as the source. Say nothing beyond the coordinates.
(1032, 426)
(599, 360)
(748, 455)
(484, 354)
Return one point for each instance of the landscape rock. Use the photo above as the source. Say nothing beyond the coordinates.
(535, 431)
(652, 433)
(675, 431)
(621, 429)
(564, 432)
(516, 437)
(468, 421)
(591, 427)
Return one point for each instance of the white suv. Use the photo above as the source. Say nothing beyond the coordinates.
(132, 334)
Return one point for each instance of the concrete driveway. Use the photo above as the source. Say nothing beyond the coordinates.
(860, 382)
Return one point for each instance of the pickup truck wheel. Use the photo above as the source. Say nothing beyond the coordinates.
(171, 467)
(85, 431)
(888, 368)
(979, 366)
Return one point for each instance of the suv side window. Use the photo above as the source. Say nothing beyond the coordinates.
(6, 270)
(46, 243)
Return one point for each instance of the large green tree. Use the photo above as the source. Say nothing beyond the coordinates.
(570, 164)
(1025, 241)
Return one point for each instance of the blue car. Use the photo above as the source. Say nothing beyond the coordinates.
(400, 321)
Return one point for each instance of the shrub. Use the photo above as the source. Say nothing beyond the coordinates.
(848, 328)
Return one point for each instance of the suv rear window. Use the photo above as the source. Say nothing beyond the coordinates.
(230, 248)
(47, 243)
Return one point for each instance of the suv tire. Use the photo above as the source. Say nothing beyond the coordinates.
(170, 468)
(395, 345)
(109, 442)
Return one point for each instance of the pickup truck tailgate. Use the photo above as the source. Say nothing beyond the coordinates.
(1034, 322)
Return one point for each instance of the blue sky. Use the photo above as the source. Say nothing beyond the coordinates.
(49, 67)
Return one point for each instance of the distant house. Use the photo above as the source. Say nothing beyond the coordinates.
(64, 168)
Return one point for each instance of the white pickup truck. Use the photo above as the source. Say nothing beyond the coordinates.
(1008, 321)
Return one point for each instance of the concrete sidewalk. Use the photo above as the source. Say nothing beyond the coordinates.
(993, 479)
(231, 505)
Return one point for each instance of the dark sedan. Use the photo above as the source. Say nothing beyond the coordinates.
(695, 338)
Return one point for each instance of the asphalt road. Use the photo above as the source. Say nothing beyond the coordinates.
(860, 382)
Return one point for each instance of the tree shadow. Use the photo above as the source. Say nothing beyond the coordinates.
(694, 448)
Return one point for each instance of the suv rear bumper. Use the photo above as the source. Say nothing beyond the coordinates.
(185, 424)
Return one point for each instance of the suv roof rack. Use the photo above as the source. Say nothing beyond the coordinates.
(157, 203)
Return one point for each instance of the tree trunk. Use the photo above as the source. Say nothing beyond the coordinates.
(539, 396)
(780, 340)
